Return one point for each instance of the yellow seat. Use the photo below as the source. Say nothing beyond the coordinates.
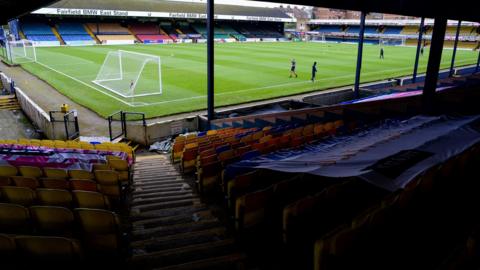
(121, 166)
(54, 197)
(101, 166)
(52, 220)
(7, 171)
(55, 173)
(22, 181)
(100, 229)
(81, 174)
(101, 147)
(7, 246)
(87, 147)
(14, 218)
(109, 182)
(30, 171)
(60, 144)
(88, 199)
(49, 248)
(83, 184)
(47, 143)
(19, 195)
(55, 183)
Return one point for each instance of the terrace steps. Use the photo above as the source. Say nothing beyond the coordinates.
(58, 36)
(9, 102)
(171, 228)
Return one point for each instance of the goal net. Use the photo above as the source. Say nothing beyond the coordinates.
(130, 74)
(21, 51)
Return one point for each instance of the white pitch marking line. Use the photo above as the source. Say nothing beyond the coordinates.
(84, 83)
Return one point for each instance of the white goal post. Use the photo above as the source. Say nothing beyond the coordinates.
(130, 74)
(21, 51)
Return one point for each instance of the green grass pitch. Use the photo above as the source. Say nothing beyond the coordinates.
(243, 72)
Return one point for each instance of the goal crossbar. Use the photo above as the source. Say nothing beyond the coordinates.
(116, 71)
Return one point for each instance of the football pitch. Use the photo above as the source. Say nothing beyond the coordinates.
(243, 72)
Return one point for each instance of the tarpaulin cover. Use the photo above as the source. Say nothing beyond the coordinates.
(388, 155)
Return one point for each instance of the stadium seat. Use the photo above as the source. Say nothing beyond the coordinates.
(121, 166)
(55, 183)
(14, 218)
(250, 208)
(81, 174)
(109, 183)
(29, 182)
(7, 171)
(101, 167)
(52, 220)
(55, 173)
(88, 199)
(54, 197)
(100, 229)
(85, 185)
(19, 195)
(49, 248)
(209, 175)
(7, 246)
(29, 171)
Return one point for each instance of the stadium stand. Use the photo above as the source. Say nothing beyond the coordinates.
(300, 208)
(392, 30)
(149, 33)
(37, 31)
(63, 200)
(74, 33)
(111, 33)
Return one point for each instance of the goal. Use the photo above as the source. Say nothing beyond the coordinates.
(130, 74)
(21, 51)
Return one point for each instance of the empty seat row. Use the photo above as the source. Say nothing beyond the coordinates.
(98, 230)
(54, 197)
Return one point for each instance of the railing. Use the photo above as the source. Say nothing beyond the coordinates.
(70, 122)
(117, 123)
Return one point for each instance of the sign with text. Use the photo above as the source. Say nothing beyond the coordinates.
(125, 13)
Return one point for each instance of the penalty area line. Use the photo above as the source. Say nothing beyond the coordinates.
(86, 84)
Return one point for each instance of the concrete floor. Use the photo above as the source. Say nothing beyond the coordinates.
(15, 125)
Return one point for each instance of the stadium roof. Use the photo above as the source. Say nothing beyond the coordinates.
(161, 8)
(459, 9)
(10, 9)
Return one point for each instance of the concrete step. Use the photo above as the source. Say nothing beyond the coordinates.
(180, 240)
(145, 201)
(156, 213)
(149, 190)
(162, 205)
(170, 220)
(175, 229)
(219, 232)
(146, 195)
(234, 261)
(186, 254)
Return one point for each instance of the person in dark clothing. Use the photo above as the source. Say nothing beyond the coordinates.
(381, 53)
(314, 71)
(421, 50)
(292, 69)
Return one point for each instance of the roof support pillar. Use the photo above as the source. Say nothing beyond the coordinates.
(360, 54)
(478, 62)
(210, 61)
(434, 59)
(419, 47)
(455, 48)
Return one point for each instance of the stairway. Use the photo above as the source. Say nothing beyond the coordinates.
(171, 227)
(58, 36)
(89, 31)
(9, 102)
